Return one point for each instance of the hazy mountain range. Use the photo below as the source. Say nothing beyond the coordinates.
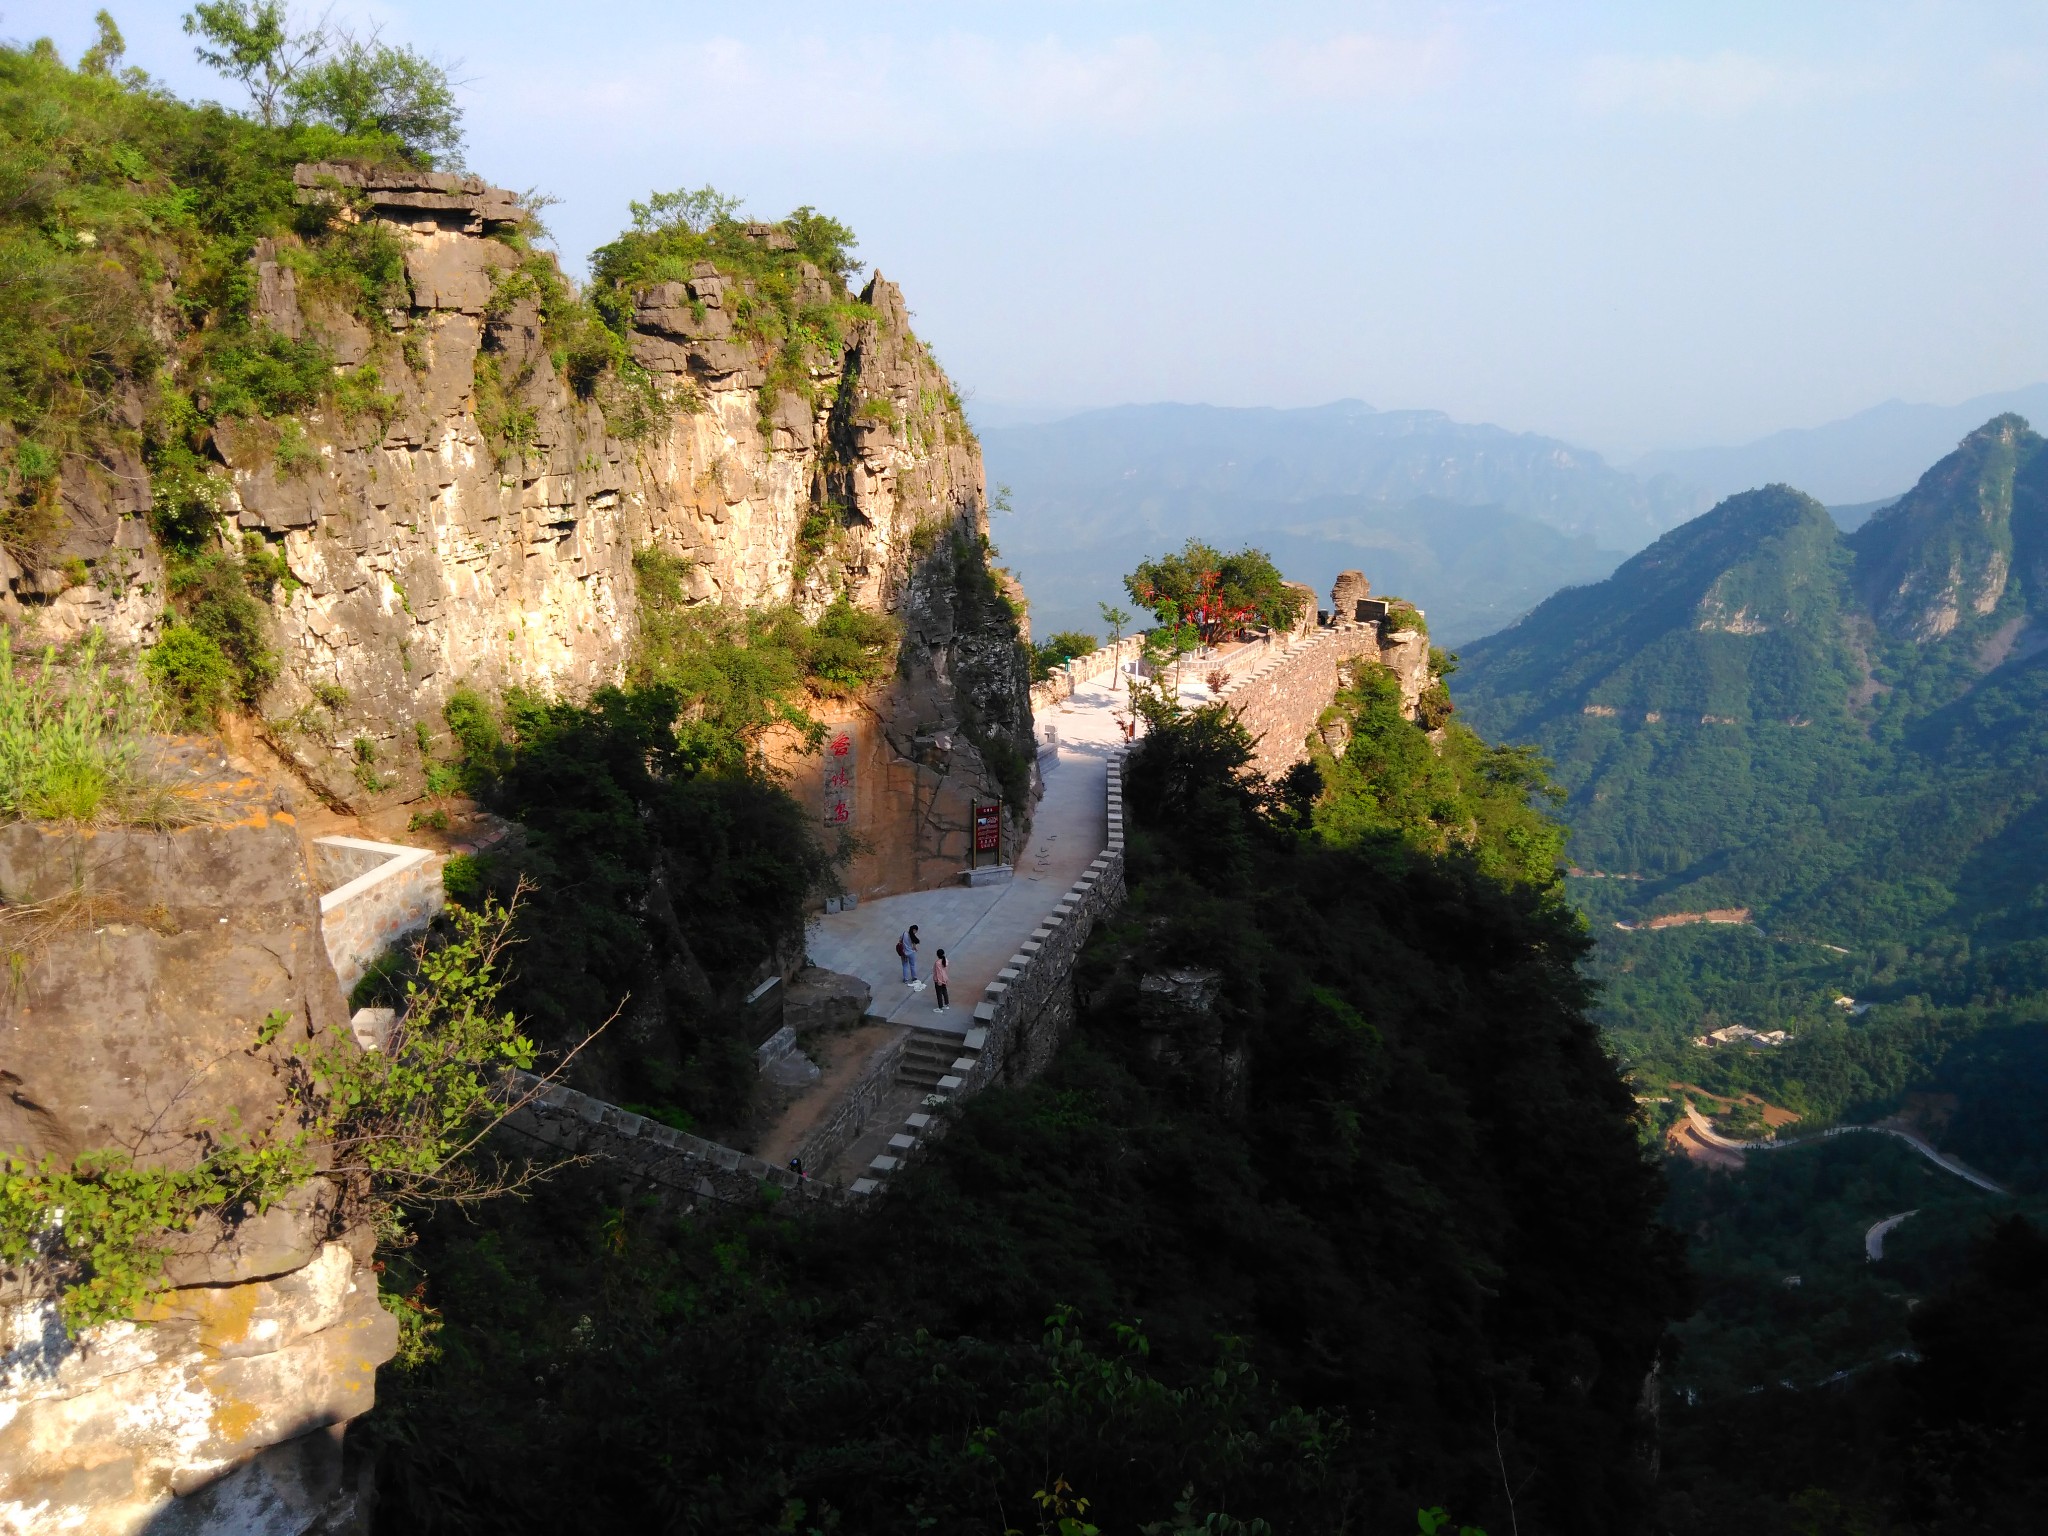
(1473, 522)
(1872, 456)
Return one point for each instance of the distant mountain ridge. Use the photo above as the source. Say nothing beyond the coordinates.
(1870, 456)
(1472, 522)
(1346, 448)
(1097, 490)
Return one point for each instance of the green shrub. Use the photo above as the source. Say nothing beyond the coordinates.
(265, 569)
(296, 453)
(361, 392)
(1061, 648)
(212, 592)
(192, 673)
(185, 497)
(264, 374)
(659, 867)
(849, 649)
(478, 740)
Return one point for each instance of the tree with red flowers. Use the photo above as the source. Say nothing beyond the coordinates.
(1214, 593)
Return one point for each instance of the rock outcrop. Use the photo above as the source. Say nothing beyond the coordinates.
(145, 965)
(479, 526)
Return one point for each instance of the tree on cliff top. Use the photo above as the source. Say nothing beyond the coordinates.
(366, 87)
(360, 85)
(1214, 592)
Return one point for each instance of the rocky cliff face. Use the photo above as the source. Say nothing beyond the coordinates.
(144, 964)
(479, 526)
(1943, 554)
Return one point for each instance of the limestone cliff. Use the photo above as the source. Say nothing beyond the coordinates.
(477, 523)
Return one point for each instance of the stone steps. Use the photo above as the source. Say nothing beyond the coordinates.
(930, 1056)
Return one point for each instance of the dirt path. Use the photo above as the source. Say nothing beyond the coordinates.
(840, 1058)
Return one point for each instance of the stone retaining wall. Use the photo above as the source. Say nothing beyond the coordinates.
(849, 1117)
(377, 894)
(582, 1126)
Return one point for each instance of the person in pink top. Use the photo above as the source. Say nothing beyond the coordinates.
(939, 992)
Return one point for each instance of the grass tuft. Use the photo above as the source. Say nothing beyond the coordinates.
(71, 741)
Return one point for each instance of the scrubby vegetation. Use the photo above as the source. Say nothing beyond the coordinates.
(803, 325)
(667, 879)
(1395, 788)
(120, 205)
(72, 740)
(670, 869)
(1372, 1234)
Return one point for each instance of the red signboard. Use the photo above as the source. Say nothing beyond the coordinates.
(988, 828)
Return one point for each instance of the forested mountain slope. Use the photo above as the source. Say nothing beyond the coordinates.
(1265, 1248)
(1843, 735)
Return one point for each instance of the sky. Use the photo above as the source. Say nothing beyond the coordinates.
(1632, 225)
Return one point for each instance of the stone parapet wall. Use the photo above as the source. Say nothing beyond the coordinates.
(387, 891)
(1018, 1026)
(581, 1126)
(1027, 1010)
(1280, 700)
(848, 1118)
(1103, 662)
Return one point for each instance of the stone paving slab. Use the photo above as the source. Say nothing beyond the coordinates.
(982, 928)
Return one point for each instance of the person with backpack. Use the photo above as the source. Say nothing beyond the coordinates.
(906, 951)
(939, 993)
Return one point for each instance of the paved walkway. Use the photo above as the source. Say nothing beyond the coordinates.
(979, 928)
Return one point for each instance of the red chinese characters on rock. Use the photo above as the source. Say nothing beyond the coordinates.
(842, 756)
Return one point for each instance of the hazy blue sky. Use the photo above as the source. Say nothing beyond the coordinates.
(1632, 224)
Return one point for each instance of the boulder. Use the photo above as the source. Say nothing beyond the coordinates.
(821, 999)
(1345, 595)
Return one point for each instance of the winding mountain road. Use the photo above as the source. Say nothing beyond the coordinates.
(1873, 1240)
(1706, 1132)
